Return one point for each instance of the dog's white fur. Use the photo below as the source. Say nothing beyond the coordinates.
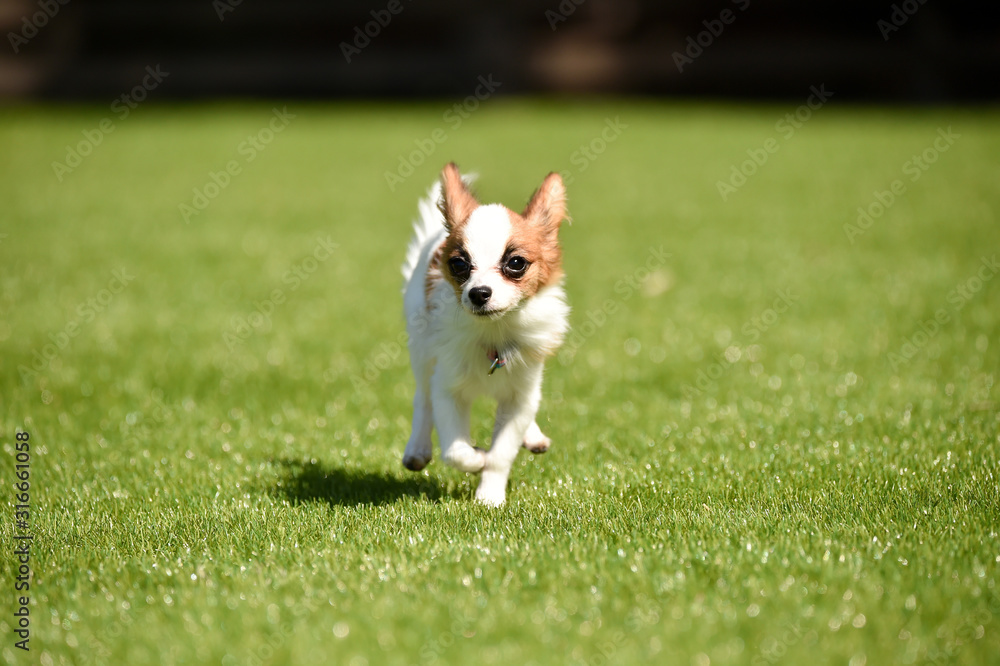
(449, 348)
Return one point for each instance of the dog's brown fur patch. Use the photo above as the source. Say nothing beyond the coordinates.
(534, 233)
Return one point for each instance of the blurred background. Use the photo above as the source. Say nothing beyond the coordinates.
(922, 51)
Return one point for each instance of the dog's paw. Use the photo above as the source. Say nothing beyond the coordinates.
(415, 462)
(465, 458)
(417, 453)
(492, 490)
(535, 441)
(490, 496)
(540, 445)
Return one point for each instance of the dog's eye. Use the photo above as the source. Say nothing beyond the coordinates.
(460, 268)
(515, 267)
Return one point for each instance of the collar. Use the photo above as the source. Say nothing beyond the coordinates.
(496, 358)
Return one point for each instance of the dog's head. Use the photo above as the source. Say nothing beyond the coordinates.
(495, 258)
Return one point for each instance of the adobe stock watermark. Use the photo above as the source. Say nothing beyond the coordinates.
(387, 354)
(956, 635)
(900, 14)
(562, 13)
(285, 634)
(957, 298)
(786, 128)
(139, 427)
(457, 114)
(85, 313)
(248, 149)
(242, 327)
(223, 7)
(596, 318)
(431, 651)
(774, 648)
(363, 35)
(587, 153)
(696, 44)
(646, 613)
(913, 168)
(101, 642)
(122, 107)
(378, 361)
(752, 330)
(31, 25)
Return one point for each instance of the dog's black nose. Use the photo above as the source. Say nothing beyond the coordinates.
(479, 295)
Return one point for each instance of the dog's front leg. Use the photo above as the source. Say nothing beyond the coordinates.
(514, 419)
(418, 449)
(451, 417)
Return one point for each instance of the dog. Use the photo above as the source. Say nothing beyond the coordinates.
(484, 307)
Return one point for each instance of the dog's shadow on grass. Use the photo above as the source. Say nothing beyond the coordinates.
(302, 482)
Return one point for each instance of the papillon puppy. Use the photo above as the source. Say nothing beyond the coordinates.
(484, 308)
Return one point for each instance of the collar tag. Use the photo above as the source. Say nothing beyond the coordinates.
(498, 361)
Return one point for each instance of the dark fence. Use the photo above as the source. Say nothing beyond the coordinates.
(899, 50)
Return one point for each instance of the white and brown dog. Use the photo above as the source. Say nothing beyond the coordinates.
(484, 308)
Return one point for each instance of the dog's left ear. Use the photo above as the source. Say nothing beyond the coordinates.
(548, 204)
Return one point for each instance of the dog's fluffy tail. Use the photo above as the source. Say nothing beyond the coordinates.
(426, 226)
(430, 222)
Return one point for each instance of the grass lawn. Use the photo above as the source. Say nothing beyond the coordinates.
(775, 428)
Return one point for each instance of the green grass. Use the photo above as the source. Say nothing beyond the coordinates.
(809, 498)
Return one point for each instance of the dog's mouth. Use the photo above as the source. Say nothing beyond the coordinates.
(488, 313)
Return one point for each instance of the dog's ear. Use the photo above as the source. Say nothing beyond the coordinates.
(457, 203)
(547, 207)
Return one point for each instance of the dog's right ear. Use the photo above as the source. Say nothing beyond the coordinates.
(457, 203)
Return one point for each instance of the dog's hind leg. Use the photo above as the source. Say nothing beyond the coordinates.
(535, 440)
